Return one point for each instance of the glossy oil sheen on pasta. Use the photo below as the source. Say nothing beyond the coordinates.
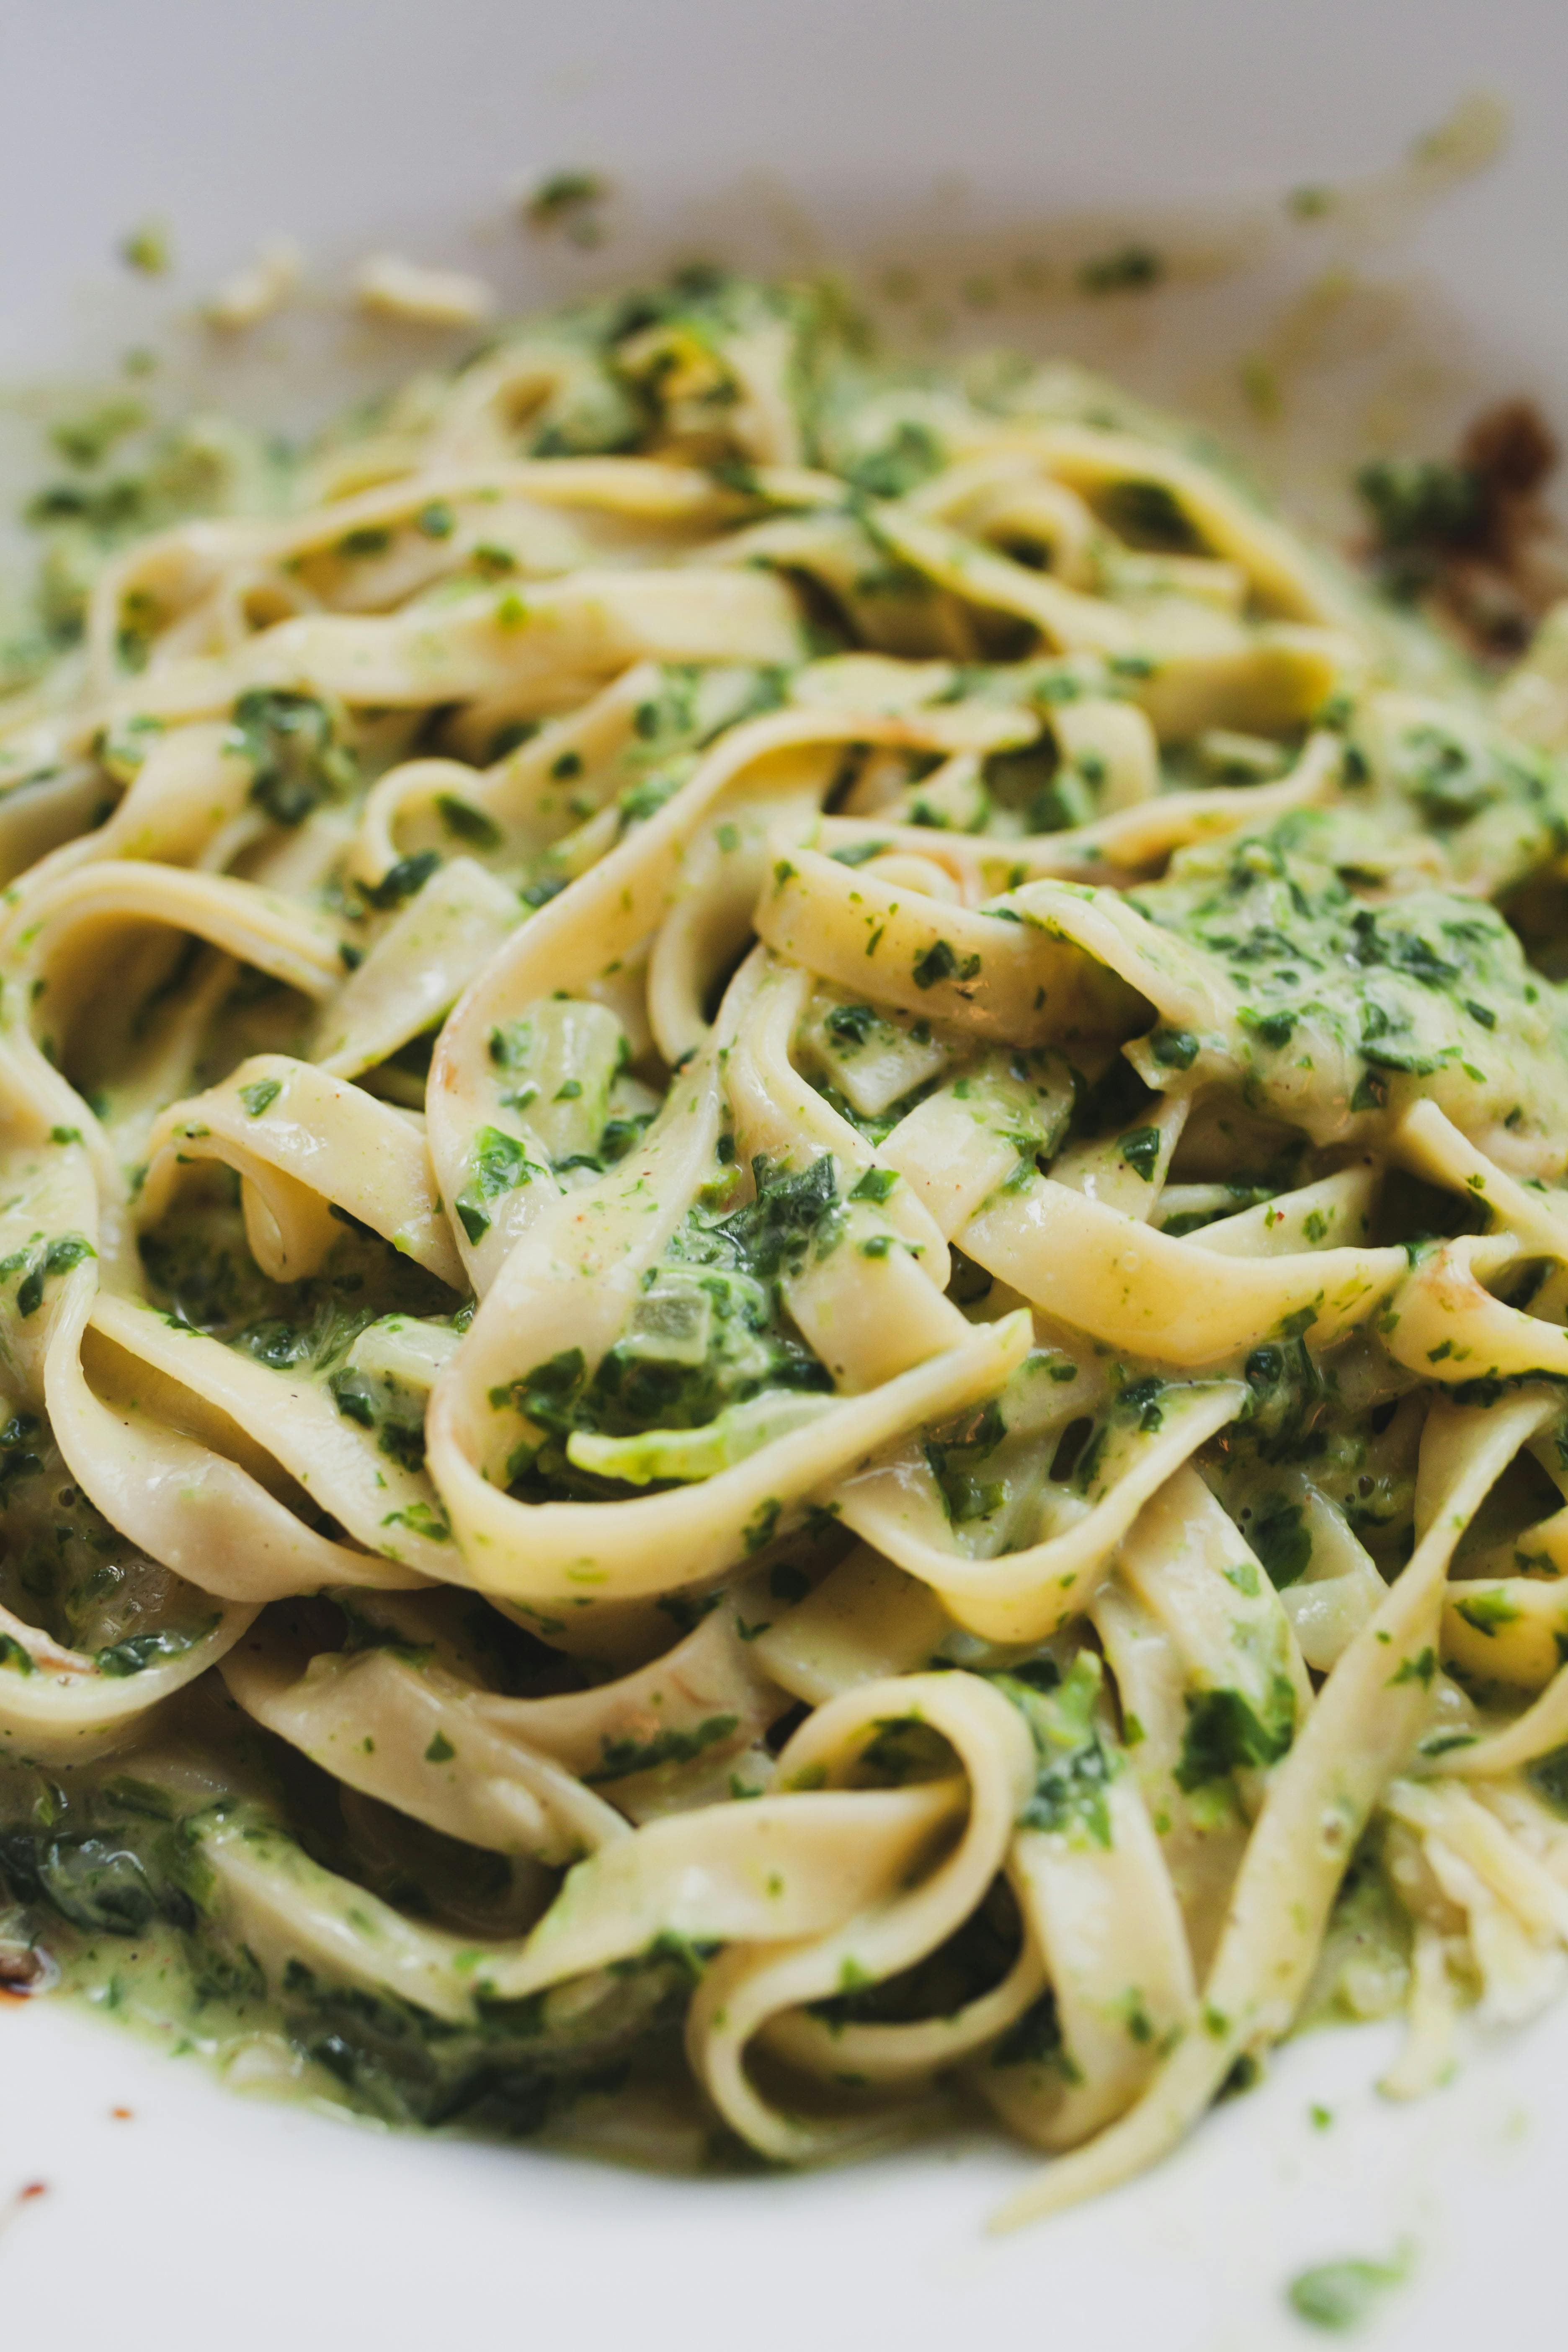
(784, 1263)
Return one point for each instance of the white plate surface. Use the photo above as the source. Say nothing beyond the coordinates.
(821, 127)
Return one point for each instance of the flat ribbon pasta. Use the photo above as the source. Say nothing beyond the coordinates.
(786, 1143)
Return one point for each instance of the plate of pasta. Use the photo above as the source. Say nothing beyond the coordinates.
(783, 1264)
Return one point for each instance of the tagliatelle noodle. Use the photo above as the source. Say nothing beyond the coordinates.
(769, 1143)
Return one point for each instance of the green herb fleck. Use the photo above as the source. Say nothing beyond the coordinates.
(404, 880)
(1340, 2297)
(466, 822)
(1140, 1150)
(940, 962)
(624, 1755)
(147, 250)
(498, 1164)
(1224, 1734)
(1130, 269)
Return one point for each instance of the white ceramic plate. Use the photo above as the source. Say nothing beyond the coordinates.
(773, 134)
